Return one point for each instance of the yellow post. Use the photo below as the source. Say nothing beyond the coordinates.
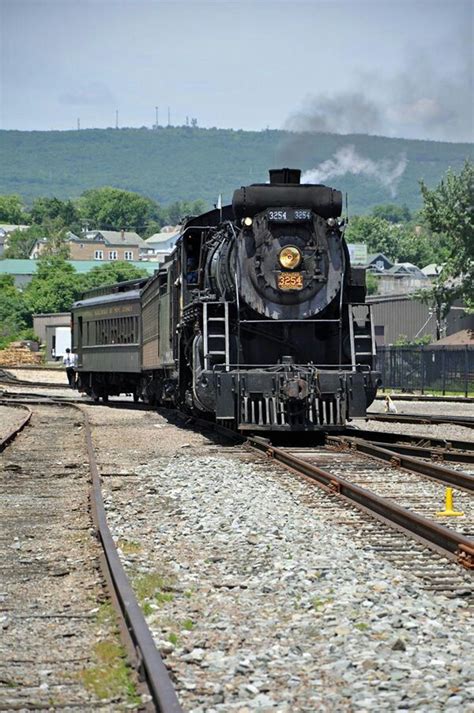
(449, 507)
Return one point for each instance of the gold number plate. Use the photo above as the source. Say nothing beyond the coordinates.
(290, 281)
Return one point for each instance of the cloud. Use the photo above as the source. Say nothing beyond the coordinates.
(90, 93)
(347, 160)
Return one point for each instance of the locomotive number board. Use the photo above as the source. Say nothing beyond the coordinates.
(290, 281)
(288, 215)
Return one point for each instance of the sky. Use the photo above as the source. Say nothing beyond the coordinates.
(387, 67)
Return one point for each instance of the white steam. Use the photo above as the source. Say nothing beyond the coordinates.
(346, 160)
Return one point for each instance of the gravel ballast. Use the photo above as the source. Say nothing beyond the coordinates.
(262, 605)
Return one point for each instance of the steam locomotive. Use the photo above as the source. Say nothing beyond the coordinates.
(256, 319)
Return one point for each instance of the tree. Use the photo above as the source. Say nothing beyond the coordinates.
(392, 213)
(61, 213)
(372, 283)
(54, 287)
(12, 210)
(110, 273)
(417, 245)
(56, 243)
(115, 209)
(20, 242)
(180, 209)
(13, 311)
(439, 297)
(449, 211)
(378, 234)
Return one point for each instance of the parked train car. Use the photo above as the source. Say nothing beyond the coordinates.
(257, 318)
(106, 328)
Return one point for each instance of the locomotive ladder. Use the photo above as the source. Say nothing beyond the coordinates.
(215, 329)
(362, 335)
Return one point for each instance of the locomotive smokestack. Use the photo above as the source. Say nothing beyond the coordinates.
(285, 175)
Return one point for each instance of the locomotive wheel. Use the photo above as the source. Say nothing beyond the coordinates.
(105, 398)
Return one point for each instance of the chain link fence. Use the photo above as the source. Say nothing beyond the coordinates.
(428, 369)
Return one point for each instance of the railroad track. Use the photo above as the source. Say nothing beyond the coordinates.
(421, 446)
(467, 421)
(142, 653)
(402, 499)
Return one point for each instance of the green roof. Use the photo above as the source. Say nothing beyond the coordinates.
(28, 267)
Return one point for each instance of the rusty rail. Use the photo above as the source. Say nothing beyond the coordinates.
(467, 421)
(393, 455)
(135, 634)
(12, 434)
(135, 631)
(393, 437)
(440, 539)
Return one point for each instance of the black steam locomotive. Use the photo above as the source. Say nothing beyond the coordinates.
(257, 318)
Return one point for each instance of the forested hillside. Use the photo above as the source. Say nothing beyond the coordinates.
(187, 163)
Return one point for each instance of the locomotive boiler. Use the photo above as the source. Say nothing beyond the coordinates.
(257, 318)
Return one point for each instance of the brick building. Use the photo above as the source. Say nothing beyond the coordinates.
(100, 245)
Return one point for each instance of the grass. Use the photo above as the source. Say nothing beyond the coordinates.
(361, 626)
(153, 588)
(320, 604)
(111, 676)
(128, 547)
(149, 584)
(187, 624)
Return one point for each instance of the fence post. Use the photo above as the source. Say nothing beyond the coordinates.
(466, 371)
(443, 367)
(422, 371)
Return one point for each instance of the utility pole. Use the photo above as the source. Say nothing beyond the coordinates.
(116, 118)
(78, 123)
(169, 115)
(156, 117)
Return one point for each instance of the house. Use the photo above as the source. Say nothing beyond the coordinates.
(159, 245)
(100, 245)
(402, 278)
(5, 229)
(432, 270)
(378, 263)
(105, 245)
(38, 248)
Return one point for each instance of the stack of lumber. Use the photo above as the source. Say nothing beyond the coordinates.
(16, 354)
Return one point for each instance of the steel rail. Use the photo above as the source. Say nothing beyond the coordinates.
(12, 434)
(440, 539)
(394, 457)
(415, 440)
(426, 397)
(435, 454)
(135, 634)
(466, 421)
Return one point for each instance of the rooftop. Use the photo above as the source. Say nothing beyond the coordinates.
(28, 267)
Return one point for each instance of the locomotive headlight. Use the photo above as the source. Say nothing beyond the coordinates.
(289, 257)
(247, 222)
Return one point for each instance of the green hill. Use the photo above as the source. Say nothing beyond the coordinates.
(185, 163)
